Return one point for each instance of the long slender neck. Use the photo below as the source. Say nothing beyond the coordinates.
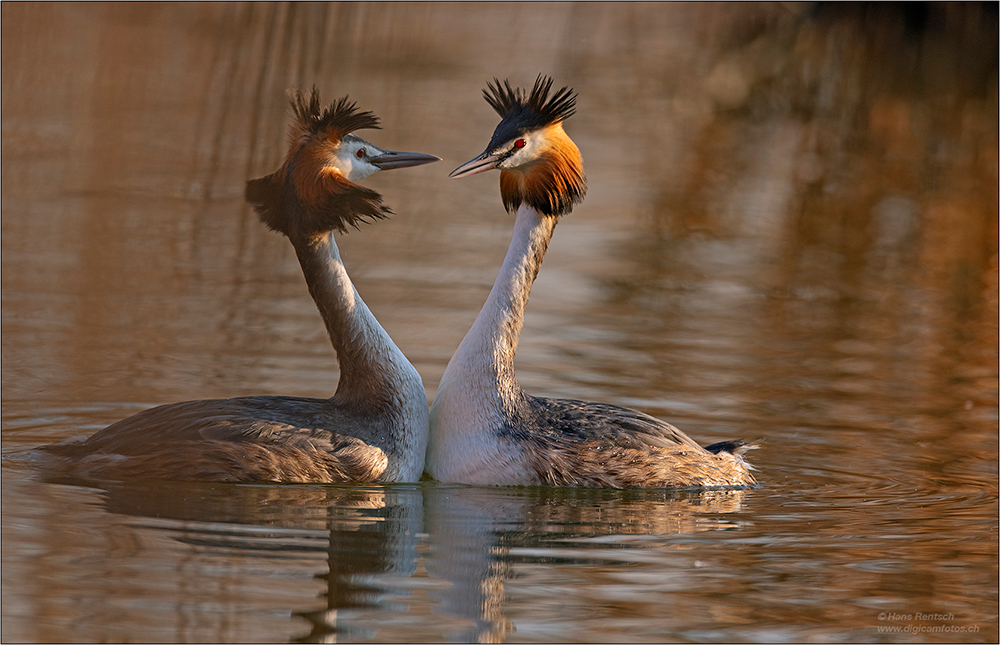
(485, 358)
(371, 366)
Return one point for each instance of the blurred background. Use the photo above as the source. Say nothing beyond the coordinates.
(790, 231)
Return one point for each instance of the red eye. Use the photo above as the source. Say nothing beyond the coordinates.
(519, 144)
(360, 153)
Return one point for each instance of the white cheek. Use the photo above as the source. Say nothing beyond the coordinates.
(532, 151)
(357, 169)
(523, 157)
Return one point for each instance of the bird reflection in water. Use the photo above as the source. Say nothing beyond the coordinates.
(479, 536)
(440, 556)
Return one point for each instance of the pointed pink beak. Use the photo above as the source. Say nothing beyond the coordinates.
(482, 163)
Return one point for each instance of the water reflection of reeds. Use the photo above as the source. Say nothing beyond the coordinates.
(790, 234)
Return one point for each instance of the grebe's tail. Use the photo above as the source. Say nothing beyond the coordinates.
(736, 447)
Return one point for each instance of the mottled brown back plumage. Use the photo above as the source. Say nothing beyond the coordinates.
(583, 443)
(596, 463)
(265, 438)
(228, 461)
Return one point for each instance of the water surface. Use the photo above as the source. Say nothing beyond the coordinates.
(790, 235)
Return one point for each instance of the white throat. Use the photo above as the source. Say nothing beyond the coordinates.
(478, 391)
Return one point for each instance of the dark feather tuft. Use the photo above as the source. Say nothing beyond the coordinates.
(555, 181)
(521, 112)
(544, 111)
(333, 121)
(304, 198)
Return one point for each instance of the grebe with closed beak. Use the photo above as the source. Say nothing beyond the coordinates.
(374, 428)
(484, 428)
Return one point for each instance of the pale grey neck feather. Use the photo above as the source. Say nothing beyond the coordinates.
(486, 355)
(368, 358)
(375, 377)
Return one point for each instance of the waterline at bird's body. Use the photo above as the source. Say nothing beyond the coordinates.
(484, 428)
(374, 428)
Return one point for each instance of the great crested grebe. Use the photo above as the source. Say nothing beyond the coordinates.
(484, 428)
(374, 428)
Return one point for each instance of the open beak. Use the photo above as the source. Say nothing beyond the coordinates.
(482, 163)
(392, 159)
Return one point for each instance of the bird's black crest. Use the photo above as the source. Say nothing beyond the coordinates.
(341, 116)
(521, 112)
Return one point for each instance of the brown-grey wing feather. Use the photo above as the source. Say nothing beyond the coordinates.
(613, 425)
(245, 439)
(269, 420)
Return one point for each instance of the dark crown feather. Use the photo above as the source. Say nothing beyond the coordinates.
(520, 113)
(336, 202)
(552, 187)
(341, 116)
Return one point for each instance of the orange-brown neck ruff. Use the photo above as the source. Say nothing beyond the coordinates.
(553, 183)
(306, 198)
